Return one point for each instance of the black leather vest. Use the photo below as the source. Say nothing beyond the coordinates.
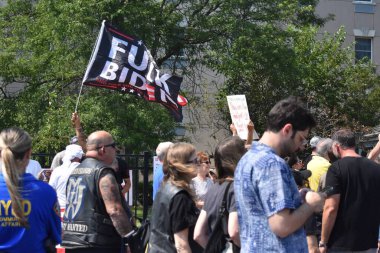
(86, 223)
(161, 236)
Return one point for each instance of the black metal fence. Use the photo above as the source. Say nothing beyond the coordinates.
(140, 165)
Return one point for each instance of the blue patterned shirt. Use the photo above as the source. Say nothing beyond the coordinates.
(264, 185)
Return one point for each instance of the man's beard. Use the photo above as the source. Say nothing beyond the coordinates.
(287, 148)
(332, 156)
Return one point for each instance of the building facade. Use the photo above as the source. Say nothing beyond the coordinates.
(361, 20)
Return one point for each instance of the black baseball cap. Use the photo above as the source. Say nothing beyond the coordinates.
(300, 176)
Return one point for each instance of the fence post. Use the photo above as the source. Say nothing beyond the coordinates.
(146, 184)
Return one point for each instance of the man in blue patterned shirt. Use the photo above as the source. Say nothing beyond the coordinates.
(270, 209)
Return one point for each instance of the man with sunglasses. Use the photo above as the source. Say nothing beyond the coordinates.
(95, 218)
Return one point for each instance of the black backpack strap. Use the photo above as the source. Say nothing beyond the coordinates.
(223, 207)
(223, 212)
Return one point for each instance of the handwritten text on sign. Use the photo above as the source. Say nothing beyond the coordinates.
(239, 114)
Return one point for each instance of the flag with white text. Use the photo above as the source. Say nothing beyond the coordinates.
(122, 62)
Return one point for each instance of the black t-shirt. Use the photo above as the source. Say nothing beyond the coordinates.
(184, 214)
(122, 171)
(357, 180)
(213, 201)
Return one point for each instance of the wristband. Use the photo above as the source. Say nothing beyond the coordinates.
(322, 244)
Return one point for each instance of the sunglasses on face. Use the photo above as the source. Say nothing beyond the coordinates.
(113, 145)
(194, 161)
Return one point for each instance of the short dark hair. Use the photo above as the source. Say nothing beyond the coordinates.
(290, 111)
(227, 155)
(345, 138)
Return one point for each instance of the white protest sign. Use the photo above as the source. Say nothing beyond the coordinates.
(239, 115)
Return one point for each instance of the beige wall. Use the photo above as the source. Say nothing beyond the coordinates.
(204, 128)
(345, 15)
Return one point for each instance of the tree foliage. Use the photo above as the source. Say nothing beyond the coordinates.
(296, 60)
(46, 47)
(266, 49)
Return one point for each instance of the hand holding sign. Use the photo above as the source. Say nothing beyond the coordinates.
(240, 116)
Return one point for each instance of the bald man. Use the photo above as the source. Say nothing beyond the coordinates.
(95, 218)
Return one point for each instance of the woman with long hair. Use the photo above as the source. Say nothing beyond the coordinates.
(29, 214)
(202, 183)
(227, 155)
(174, 213)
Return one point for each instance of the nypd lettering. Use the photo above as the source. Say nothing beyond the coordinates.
(7, 216)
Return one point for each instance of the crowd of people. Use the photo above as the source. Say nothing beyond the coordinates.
(261, 197)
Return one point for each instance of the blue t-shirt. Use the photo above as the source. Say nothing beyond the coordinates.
(264, 186)
(41, 208)
(158, 176)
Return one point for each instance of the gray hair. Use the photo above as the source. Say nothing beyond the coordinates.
(162, 148)
(324, 146)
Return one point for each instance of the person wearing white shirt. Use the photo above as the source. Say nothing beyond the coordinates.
(60, 175)
(34, 167)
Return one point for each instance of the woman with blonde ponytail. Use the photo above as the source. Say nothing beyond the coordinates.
(28, 207)
(174, 213)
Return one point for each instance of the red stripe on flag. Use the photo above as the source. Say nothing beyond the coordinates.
(150, 91)
(122, 35)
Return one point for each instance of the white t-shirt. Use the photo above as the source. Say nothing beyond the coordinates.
(33, 168)
(58, 180)
(201, 187)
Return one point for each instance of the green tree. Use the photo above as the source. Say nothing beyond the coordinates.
(46, 47)
(320, 69)
(266, 49)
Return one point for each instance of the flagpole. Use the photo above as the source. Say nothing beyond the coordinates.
(94, 52)
(80, 91)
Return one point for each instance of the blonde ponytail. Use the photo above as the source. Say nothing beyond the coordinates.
(14, 143)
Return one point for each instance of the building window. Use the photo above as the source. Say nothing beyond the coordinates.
(364, 6)
(363, 48)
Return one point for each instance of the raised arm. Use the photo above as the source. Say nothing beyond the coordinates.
(375, 152)
(75, 120)
(110, 192)
(251, 129)
(233, 129)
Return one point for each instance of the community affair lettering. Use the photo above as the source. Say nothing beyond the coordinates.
(7, 216)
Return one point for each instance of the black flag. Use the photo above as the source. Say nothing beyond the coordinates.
(122, 62)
